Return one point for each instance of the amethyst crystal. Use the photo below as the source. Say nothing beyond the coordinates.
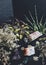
(16, 55)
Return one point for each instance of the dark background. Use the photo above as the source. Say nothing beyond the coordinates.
(6, 10)
(21, 7)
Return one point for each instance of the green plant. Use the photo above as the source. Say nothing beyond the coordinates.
(37, 25)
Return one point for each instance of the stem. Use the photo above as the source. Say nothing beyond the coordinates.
(36, 15)
(43, 63)
(31, 17)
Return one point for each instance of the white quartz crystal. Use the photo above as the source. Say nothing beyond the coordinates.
(35, 35)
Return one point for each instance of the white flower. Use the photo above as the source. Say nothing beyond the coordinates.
(0, 40)
(13, 45)
(1, 30)
(7, 35)
(10, 41)
(35, 58)
(37, 43)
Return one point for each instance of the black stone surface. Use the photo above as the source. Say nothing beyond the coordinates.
(6, 10)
